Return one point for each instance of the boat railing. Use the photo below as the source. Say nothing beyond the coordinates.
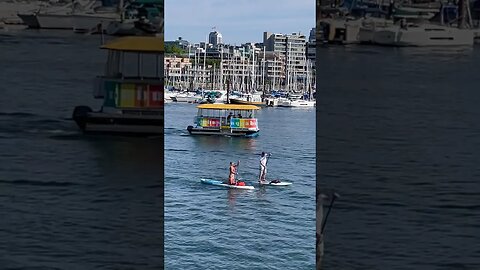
(222, 122)
(101, 83)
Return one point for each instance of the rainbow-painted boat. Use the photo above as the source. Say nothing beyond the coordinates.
(131, 88)
(226, 120)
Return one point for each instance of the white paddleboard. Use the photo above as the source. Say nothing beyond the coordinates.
(221, 184)
(268, 183)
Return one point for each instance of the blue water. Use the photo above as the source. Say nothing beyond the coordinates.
(209, 227)
(399, 140)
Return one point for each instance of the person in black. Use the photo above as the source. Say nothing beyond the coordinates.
(229, 117)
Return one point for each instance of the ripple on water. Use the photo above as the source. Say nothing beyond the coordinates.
(267, 228)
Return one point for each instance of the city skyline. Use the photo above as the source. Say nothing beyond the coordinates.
(238, 22)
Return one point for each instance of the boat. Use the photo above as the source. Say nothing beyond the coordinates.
(421, 35)
(141, 17)
(248, 99)
(222, 184)
(216, 119)
(82, 23)
(188, 97)
(29, 19)
(303, 103)
(54, 17)
(296, 100)
(214, 96)
(131, 89)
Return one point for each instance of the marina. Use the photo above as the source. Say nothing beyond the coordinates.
(280, 71)
(399, 23)
(116, 18)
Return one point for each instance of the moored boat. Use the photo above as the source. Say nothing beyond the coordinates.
(248, 99)
(131, 88)
(225, 120)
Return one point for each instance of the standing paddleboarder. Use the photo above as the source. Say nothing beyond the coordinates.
(263, 167)
(233, 172)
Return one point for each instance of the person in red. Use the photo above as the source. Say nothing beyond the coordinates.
(233, 172)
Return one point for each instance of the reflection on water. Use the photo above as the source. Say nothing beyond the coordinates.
(209, 143)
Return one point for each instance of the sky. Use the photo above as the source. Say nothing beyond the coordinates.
(239, 21)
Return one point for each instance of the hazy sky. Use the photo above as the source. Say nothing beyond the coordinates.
(239, 21)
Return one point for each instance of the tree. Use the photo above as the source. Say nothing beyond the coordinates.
(174, 49)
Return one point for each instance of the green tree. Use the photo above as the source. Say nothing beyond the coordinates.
(174, 49)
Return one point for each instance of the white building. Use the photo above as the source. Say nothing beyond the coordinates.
(215, 38)
(291, 47)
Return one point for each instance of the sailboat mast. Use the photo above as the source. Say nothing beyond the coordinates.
(221, 68)
(120, 10)
(204, 77)
(461, 14)
(263, 71)
(253, 70)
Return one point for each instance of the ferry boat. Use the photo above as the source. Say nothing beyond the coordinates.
(225, 119)
(132, 90)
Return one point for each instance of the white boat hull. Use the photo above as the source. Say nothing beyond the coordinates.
(88, 22)
(297, 104)
(190, 99)
(54, 21)
(125, 28)
(424, 36)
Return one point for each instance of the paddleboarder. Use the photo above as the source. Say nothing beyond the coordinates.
(263, 167)
(233, 172)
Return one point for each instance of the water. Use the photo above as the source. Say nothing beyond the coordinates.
(69, 201)
(267, 228)
(399, 140)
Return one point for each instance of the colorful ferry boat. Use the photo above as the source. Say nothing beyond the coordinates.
(131, 89)
(225, 119)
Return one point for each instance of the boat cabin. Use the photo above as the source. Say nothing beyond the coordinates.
(131, 88)
(225, 119)
(133, 77)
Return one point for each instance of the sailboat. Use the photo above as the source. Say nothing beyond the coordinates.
(142, 17)
(299, 101)
(248, 97)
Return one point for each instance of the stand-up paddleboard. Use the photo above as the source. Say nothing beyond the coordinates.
(275, 183)
(221, 184)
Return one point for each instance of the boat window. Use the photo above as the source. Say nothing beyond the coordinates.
(113, 65)
(441, 38)
(130, 64)
(149, 65)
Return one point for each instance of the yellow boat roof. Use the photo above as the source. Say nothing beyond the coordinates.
(136, 44)
(227, 107)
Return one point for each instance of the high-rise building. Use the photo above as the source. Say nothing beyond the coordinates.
(215, 38)
(311, 46)
(292, 48)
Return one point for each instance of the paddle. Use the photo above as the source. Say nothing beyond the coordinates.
(335, 195)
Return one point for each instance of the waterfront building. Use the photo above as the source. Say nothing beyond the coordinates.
(311, 46)
(215, 38)
(291, 47)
